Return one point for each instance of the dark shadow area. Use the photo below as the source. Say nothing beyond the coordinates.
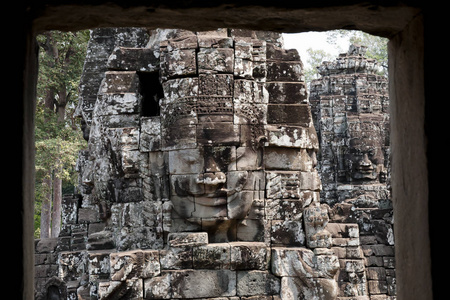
(151, 91)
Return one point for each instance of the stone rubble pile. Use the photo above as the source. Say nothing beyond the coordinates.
(200, 180)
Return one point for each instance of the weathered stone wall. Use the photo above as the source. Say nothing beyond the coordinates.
(200, 181)
(350, 105)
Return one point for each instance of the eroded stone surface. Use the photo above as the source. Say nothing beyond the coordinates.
(200, 179)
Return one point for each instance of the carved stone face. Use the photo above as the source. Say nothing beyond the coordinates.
(364, 157)
(220, 107)
(214, 164)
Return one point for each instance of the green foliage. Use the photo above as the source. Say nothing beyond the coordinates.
(376, 45)
(58, 136)
(376, 49)
(61, 59)
(315, 58)
(57, 146)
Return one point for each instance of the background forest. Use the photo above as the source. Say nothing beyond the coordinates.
(58, 135)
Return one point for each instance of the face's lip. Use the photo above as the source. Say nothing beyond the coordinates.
(220, 196)
(365, 169)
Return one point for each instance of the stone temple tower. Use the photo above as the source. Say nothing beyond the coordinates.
(350, 107)
(200, 179)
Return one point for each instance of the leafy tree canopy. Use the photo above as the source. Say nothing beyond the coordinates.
(376, 49)
(58, 136)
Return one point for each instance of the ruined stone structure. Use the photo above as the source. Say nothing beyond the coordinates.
(350, 106)
(200, 179)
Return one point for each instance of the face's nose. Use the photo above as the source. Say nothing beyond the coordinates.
(365, 164)
(211, 178)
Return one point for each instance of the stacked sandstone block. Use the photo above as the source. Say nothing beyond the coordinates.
(351, 107)
(189, 112)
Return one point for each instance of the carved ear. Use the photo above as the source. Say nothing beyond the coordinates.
(261, 140)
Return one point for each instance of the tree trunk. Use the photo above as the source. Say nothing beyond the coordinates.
(56, 209)
(57, 181)
(46, 207)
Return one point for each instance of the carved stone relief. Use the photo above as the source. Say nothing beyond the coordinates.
(201, 181)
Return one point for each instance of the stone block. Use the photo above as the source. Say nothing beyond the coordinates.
(343, 230)
(292, 136)
(120, 121)
(218, 133)
(45, 271)
(45, 258)
(69, 209)
(179, 62)
(203, 283)
(308, 288)
(46, 245)
(243, 49)
(377, 287)
(183, 239)
(286, 92)
(178, 89)
(150, 134)
(186, 161)
(275, 53)
(176, 258)
(289, 114)
(248, 159)
(215, 60)
(310, 181)
(374, 261)
(219, 159)
(88, 215)
(214, 109)
(354, 252)
(251, 283)
(252, 114)
(249, 256)
(280, 158)
(98, 265)
(64, 243)
(257, 210)
(119, 82)
(214, 41)
(133, 59)
(215, 84)
(132, 288)
(212, 256)
(259, 70)
(134, 264)
(253, 230)
(179, 136)
(158, 287)
(144, 237)
(100, 240)
(352, 265)
(184, 207)
(287, 185)
(287, 232)
(72, 265)
(191, 284)
(243, 68)
(249, 92)
(376, 273)
(316, 219)
(285, 71)
(134, 164)
(378, 250)
(187, 40)
(277, 209)
(292, 262)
